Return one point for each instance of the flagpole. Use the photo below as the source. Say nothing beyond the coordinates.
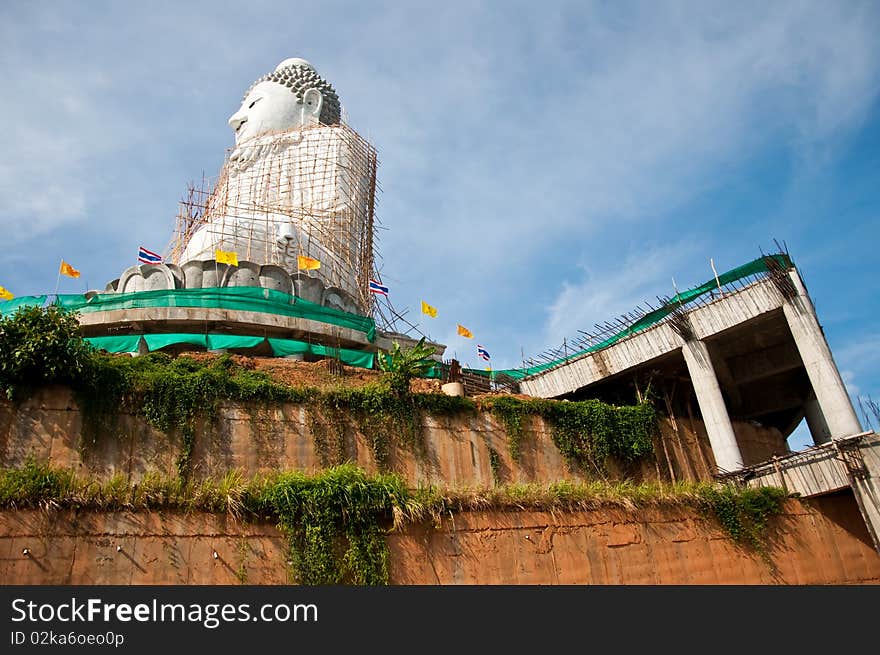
(58, 281)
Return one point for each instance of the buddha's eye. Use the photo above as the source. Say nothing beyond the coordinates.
(251, 106)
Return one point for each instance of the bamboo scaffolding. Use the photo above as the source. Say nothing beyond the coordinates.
(320, 180)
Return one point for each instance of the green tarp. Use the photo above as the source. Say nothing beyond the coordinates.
(124, 344)
(280, 347)
(158, 341)
(9, 307)
(358, 358)
(232, 341)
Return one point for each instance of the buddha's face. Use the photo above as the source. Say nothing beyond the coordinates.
(273, 107)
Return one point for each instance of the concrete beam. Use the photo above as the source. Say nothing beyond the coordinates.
(761, 400)
(273, 325)
(718, 426)
(764, 363)
(733, 309)
(831, 395)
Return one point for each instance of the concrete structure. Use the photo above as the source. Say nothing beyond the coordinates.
(755, 353)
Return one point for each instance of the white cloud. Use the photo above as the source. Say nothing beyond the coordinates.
(858, 362)
(562, 133)
(603, 294)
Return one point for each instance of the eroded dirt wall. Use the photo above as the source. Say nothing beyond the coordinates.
(669, 545)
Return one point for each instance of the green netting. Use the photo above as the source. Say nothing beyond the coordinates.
(754, 267)
(157, 341)
(227, 341)
(435, 372)
(252, 299)
(285, 347)
(121, 344)
(358, 358)
(9, 307)
(280, 347)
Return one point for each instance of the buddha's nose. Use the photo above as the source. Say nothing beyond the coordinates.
(237, 119)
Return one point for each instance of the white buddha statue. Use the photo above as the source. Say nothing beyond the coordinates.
(297, 183)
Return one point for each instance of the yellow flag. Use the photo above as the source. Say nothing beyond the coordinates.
(226, 257)
(68, 270)
(307, 263)
(5, 295)
(463, 331)
(427, 309)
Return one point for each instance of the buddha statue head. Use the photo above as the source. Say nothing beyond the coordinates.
(291, 96)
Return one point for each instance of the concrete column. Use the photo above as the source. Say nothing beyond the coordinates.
(718, 426)
(831, 395)
(815, 421)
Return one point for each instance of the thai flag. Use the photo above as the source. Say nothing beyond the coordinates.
(375, 287)
(483, 353)
(148, 256)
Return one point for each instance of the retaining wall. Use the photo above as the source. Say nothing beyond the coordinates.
(256, 437)
(813, 542)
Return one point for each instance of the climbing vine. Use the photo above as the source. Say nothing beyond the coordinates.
(586, 432)
(384, 416)
(329, 444)
(495, 465)
(172, 393)
(334, 523)
(744, 512)
(510, 411)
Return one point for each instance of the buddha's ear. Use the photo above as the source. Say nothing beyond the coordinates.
(312, 102)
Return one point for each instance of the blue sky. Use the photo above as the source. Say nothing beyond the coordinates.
(543, 166)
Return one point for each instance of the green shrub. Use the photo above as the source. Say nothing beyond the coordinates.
(744, 512)
(401, 365)
(40, 346)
